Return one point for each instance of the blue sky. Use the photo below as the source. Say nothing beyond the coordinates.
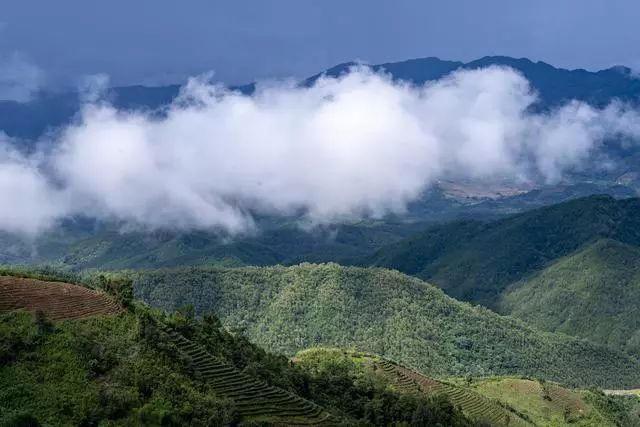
(160, 41)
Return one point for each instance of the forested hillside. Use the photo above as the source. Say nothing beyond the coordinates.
(477, 261)
(286, 309)
(593, 293)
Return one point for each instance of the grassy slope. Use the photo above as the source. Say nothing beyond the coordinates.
(286, 309)
(550, 404)
(593, 293)
(477, 262)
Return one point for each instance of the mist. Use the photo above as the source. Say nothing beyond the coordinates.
(20, 79)
(356, 146)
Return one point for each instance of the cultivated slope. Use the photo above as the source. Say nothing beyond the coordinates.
(286, 309)
(473, 404)
(550, 404)
(497, 401)
(55, 299)
(253, 399)
(593, 293)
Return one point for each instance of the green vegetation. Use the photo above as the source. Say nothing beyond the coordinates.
(41, 272)
(550, 404)
(351, 383)
(83, 372)
(477, 262)
(252, 398)
(287, 309)
(593, 293)
(492, 400)
(142, 367)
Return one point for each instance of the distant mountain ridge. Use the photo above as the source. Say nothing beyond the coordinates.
(475, 261)
(555, 85)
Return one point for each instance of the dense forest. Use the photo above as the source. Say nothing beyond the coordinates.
(286, 309)
(476, 261)
(593, 293)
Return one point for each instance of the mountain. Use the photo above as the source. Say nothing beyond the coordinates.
(592, 293)
(477, 261)
(48, 111)
(287, 309)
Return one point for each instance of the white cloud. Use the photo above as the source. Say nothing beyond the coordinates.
(347, 147)
(29, 201)
(19, 78)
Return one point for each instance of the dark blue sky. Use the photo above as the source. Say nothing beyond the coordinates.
(159, 41)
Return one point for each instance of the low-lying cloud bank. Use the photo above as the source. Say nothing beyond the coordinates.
(359, 145)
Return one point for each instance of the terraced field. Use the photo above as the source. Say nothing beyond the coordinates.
(473, 404)
(544, 402)
(255, 400)
(56, 300)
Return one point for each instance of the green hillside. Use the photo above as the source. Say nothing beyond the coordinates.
(513, 401)
(593, 293)
(474, 405)
(142, 367)
(84, 372)
(476, 262)
(286, 309)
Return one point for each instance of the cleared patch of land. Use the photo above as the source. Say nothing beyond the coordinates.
(56, 300)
